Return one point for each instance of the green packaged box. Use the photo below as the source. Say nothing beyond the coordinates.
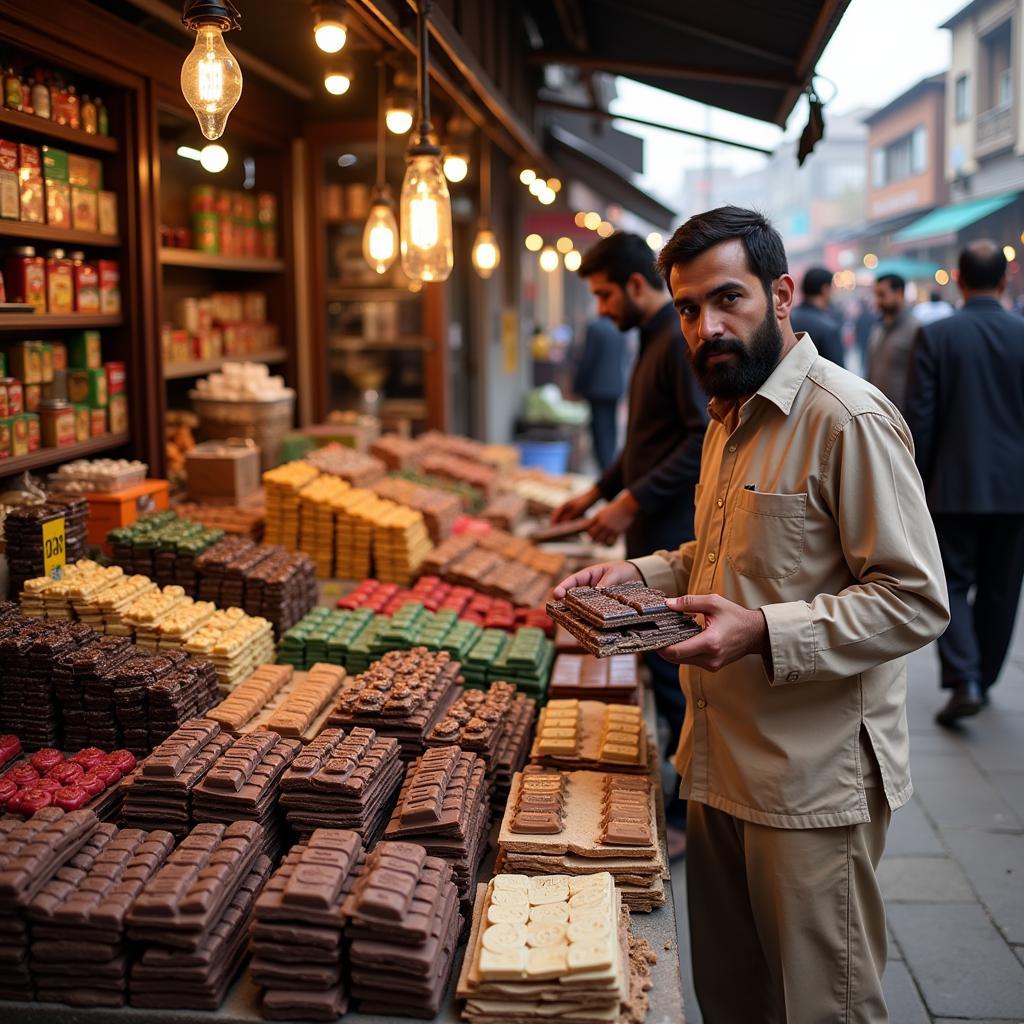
(83, 422)
(85, 351)
(3, 364)
(88, 387)
(55, 164)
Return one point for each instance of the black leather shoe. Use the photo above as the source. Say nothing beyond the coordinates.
(967, 699)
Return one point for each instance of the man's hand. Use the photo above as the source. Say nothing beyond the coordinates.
(614, 519)
(576, 507)
(730, 632)
(605, 574)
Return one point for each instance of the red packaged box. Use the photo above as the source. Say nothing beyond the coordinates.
(115, 378)
(110, 286)
(33, 396)
(97, 422)
(86, 280)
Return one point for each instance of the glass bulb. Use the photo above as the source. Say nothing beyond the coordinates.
(573, 260)
(380, 236)
(330, 35)
(537, 186)
(547, 196)
(399, 120)
(486, 253)
(548, 259)
(426, 209)
(534, 242)
(211, 80)
(213, 158)
(456, 167)
(527, 175)
(564, 244)
(337, 83)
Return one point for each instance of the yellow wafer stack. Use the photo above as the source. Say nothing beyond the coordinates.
(316, 538)
(355, 510)
(282, 485)
(400, 544)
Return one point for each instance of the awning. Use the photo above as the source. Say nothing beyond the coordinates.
(909, 270)
(573, 155)
(747, 56)
(943, 223)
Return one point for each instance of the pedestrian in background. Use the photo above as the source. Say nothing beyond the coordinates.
(936, 308)
(815, 315)
(966, 411)
(600, 378)
(891, 341)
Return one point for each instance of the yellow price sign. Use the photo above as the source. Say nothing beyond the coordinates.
(54, 550)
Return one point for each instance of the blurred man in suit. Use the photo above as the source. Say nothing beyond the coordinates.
(600, 379)
(814, 315)
(966, 411)
(892, 340)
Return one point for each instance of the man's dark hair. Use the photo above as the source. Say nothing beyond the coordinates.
(619, 256)
(816, 280)
(894, 281)
(982, 266)
(766, 255)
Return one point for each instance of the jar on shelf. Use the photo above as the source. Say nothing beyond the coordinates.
(40, 93)
(57, 423)
(102, 118)
(14, 96)
(85, 279)
(26, 278)
(60, 288)
(74, 105)
(89, 116)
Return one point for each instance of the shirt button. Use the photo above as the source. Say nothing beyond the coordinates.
(721, 502)
(792, 677)
(701, 703)
(712, 556)
(732, 448)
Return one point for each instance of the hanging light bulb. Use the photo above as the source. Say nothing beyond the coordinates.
(426, 207)
(527, 175)
(338, 78)
(329, 29)
(211, 80)
(401, 105)
(456, 164)
(548, 259)
(547, 196)
(486, 253)
(564, 244)
(380, 235)
(534, 242)
(537, 186)
(572, 260)
(213, 158)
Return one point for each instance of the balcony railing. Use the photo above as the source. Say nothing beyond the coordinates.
(994, 129)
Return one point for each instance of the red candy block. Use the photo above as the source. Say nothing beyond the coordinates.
(67, 773)
(50, 785)
(92, 783)
(28, 801)
(46, 759)
(71, 798)
(23, 775)
(123, 760)
(7, 790)
(10, 746)
(109, 773)
(89, 757)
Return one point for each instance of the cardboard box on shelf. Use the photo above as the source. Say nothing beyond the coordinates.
(223, 471)
(97, 422)
(58, 203)
(10, 206)
(27, 361)
(122, 508)
(84, 209)
(108, 213)
(88, 386)
(85, 351)
(118, 412)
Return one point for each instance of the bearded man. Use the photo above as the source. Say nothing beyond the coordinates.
(816, 570)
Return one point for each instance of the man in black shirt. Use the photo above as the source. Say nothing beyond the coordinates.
(649, 487)
(814, 315)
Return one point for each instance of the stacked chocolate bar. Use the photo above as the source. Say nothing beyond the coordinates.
(444, 807)
(403, 925)
(159, 794)
(298, 927)
(627, 618)
(343, 781)
(31, 851)
(192, 917)
(244, 784)
(76, 676)
(23, 529)
(613, 680)
(402, 695)
(79, 953)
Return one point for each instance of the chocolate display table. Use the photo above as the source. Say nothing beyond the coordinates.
(242, 1003)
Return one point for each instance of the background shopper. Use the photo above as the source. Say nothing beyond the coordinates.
(600, 378)
(891, 340)
(815, 315)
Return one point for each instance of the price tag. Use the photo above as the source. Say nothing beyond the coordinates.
(54, 551)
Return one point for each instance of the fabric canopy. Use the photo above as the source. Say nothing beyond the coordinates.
(948, 220)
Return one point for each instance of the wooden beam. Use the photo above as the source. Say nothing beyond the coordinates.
(616, 66)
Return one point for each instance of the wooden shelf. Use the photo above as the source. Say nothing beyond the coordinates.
(404, 343)
(51, 456)
(57, 321)
(58, 132)
(49, 233)
(213, 261)
(368, 293)
(197, 367)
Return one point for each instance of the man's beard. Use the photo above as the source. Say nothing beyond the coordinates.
(751, 367)
(631, 314)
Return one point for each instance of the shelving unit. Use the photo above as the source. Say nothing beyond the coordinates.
(198, 367)
(52, 456)
(58, 321)
(57, 132)
(59, 236)
(214, 261)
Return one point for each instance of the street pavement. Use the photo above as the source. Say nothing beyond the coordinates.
(953, 870)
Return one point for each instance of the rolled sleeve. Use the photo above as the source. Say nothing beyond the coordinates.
(668, 571)
(791, 638)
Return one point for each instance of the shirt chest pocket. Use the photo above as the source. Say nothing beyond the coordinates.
(766, 537)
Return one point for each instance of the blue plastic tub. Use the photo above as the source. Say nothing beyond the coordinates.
(552, 456)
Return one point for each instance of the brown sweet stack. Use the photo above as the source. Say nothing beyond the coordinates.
(80, 955)
(282, 485)
(192, 918)
(444, 808)
(236, 711)
(246, 520)
(316, 537)
(354, 512)
(400, 543)
(404, 695)
(613, 680)
(298, 928)
(603, 827)
(358, 468)
(403, 926)
(440, 508)
(553, 948)
(483, 479)
(590, 734)
(396, 452)
(343, 781)
(505, 512)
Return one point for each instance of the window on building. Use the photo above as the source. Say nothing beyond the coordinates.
(962, 99)
(996, 67)
(919, 150)
(902, 158)
(878, 166)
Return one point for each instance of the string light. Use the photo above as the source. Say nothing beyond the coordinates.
(654, 240)
(527, 176)
(564, 244)
(486, 253)
(941, 277)
(534, 243)
(1010, 253)
(870, 260)
(572, 261)
(592, 221)
(211, 80)
(605, 228)
(380, 233)
(580, 219)
(548, 259)
(547, 196)
(337, 81)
